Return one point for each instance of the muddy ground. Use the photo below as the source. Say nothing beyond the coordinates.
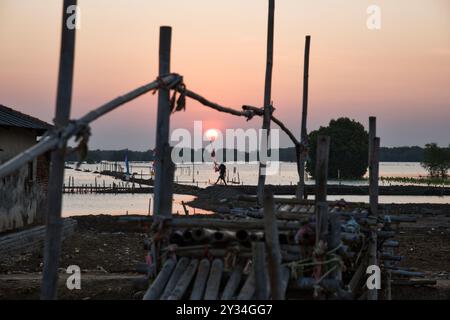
(107, 252)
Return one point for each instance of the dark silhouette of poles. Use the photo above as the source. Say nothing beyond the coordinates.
(304, 133)
(164, 165)
(374, 149)
(323, 150)
(53, 234)
(267, 101)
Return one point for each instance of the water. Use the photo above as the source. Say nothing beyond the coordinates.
(204, 175)
(119, 204)
(390, 199)
(244, 173)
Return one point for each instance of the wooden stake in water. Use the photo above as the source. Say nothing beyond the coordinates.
(267, 101)
(373, 167)
(62, 115)
(374, 175)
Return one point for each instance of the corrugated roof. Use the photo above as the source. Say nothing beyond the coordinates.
(13, 118)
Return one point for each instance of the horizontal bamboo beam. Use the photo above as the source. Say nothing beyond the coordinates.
(279, 123)
(248, 111)
(215, 106)
(53, 138)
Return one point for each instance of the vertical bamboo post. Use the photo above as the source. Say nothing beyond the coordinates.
(304, 132)
(53, 233)
(259, 268)
(323, 150)
(164, 165)
(374, 148)
(301, 156)
(372, 135)
(273, 248)
(267, 100)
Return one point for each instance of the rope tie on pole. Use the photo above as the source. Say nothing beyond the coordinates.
(82, 136)
(178, 86)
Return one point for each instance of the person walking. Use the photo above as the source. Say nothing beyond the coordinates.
(222, 171)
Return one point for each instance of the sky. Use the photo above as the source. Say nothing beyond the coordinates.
(399, 73)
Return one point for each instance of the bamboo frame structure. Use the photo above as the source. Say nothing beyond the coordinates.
(263, 235)
(304, 132)
(164, 167)
(53, 236)
(267, 100)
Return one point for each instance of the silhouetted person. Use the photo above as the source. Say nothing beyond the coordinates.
(222, 170)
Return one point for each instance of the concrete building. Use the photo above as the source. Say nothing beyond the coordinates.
(22, 194)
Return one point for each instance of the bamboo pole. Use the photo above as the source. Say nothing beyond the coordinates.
(273, 248)
(164, 165)
(334, 240)
(51, 140)
(62, 115)
(248, 289)
(304, 133)
(357, 275)
(223, 236)
(323, 149)
(176, 275)
(243, 236)
(202, 234)
(185, 280)
(200, 280)
(233, 283)
(279, 123)
(373, 177)
(213, 284)
(157, 287)
(259, 269)
(267, 100)
(372, 135)
(285, 276)
(256, 224)
(195, 96)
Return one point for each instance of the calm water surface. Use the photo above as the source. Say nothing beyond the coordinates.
(203, 175)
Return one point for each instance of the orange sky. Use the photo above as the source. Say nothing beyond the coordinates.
(401, 73)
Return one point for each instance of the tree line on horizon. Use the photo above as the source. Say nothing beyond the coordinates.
(387, 154)
(348, 153)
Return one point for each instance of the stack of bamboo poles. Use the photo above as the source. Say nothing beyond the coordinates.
(235, 248)
(324, 250)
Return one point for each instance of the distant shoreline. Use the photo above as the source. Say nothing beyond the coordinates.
(387, 154)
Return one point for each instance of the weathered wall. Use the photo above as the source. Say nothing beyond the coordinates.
(21, 196)
(15, 140)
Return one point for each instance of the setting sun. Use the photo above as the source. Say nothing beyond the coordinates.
(211, 134)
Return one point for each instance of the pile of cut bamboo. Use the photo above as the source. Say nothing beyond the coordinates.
(218, 258)
(290, 247)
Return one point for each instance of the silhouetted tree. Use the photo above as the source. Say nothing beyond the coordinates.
(436, 160)
(348, 149)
